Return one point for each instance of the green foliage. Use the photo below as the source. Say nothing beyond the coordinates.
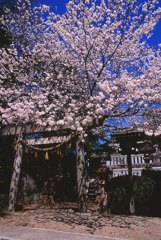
(3, 203)
(118, 201)
(143, 191)
(156, 198)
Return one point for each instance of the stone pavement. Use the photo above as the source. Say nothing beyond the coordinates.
(25, 233)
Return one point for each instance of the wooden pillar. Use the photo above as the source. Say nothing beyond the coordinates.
(81, 176)
(129, 163)
(130, 190)
(14, 186)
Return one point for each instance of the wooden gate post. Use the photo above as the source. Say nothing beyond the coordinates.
(13, 195)
(81, 176)
(130, 190)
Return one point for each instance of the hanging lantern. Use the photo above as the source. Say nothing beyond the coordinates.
(36, 155)
(46, 156)
(70, 145)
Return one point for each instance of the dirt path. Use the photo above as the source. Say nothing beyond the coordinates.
(67, 219)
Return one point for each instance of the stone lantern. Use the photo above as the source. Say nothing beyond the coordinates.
(146, 147)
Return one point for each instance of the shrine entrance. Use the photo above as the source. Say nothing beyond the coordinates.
(47, 156)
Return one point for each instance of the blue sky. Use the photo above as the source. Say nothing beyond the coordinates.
(56, 5)
(60, 6)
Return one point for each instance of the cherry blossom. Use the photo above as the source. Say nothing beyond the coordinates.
(77, 69)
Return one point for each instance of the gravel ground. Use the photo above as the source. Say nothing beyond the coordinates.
(63, 217)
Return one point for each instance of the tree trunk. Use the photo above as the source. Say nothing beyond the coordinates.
(130, 190)
(14, 186)
(81, 176)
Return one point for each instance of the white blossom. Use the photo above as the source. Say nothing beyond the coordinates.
(76, 69)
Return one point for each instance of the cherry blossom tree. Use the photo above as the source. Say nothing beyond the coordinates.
(78, 69)
(151, 123)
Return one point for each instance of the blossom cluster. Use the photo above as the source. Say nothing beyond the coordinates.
(77, 69)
